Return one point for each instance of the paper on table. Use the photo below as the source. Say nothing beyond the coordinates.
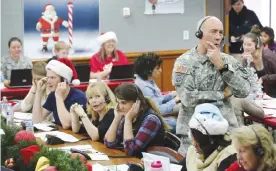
(98, 167)
(98, 157)
(269, 104)
(121, 167)
(22, 116)
(43, 126)
(84, 148)
(149, 158)
(175, 167)
(271, 113)
(65, 137)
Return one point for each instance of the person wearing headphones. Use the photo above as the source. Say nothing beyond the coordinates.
(255, 149)
(147, 67)
(262, 60)
(137, 122)
(59, 75)
(211, 148)
(206, 75)
(100, 111)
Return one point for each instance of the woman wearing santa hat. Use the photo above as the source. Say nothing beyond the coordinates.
(59, 101)
(102, 62)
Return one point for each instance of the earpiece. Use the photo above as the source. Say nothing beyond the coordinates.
(211, 140)
(199, 33)
(259, 42)
(107, 98)
(259, 151)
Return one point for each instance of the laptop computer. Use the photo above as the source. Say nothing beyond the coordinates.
(83, 72)
(21, 78)
(121, 72)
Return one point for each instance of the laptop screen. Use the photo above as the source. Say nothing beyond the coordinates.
(122, 72)
(21, 78)
(83, 73)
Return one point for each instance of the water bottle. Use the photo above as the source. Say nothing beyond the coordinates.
(29, 126)
(9, 116)
(156, 166)
(4, 107)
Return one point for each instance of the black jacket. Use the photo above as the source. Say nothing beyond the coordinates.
(240, 24)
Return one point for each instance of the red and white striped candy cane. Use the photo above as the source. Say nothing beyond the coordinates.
(70, 22)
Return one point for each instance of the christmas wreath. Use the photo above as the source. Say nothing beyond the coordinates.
(21, 152)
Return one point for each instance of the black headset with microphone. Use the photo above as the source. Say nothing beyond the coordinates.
(258, 149)
(199, 33)
(211, 140)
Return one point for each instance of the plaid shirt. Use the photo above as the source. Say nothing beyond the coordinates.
(148, 130)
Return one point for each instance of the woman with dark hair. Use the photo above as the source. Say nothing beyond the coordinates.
(101, 63)
(211, 149)
(147, 67)
(267, 37)
(262, 60)
(241, 20)
(15, 60)
(137, 123)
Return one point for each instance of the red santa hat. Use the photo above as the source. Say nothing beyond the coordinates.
(48, 6)
(104, 37)
(64, 68)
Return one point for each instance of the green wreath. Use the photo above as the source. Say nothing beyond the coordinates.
(60, 159)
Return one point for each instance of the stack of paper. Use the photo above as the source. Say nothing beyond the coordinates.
(44, 126)
(65, 137)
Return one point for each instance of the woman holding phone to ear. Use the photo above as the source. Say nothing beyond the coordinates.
(100, 112)
(137, 122)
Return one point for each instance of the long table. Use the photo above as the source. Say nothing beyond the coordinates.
(20, 93)
(99, 147)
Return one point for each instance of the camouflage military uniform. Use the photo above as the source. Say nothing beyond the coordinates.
(198, 81)
(7, 64)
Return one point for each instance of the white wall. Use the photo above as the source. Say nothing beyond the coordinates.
(261, 8)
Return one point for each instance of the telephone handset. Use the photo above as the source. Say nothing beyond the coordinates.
(136, 106)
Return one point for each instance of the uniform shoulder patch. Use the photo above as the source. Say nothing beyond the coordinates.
(181, 68)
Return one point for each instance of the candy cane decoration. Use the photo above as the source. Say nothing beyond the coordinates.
(70, 22)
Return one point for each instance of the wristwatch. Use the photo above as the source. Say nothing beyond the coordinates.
(224, 68)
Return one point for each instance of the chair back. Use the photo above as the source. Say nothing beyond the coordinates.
(174, 156)
(172, 141)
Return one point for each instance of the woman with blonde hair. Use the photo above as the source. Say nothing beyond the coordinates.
(255, 149)
(108, 55)
(100, 112)
(262, 60)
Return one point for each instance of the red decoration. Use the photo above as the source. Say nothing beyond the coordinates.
(51, 168)
(9, 163)
(82, 158)
(23, 135)
(153, 2)
(89, 166)
(28, 152)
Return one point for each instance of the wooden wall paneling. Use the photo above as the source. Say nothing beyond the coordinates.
(164, 82)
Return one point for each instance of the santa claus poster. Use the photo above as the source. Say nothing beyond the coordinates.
(48, 21)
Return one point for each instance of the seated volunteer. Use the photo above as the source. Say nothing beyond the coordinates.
(211, 148)
(137, 122)
(101, 63)
(59, 101)
(15, 60)
(61, 50)
(255, 149)
(147, 67)
(100, 111)
(38, 73)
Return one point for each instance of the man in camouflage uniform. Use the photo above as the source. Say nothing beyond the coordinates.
(205, 75)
